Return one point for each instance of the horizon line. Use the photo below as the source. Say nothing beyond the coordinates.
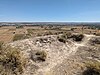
(51, 21)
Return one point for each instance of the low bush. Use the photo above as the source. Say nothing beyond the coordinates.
(11, 61)
(62, 38)
(93, 68)
(69, 35)
(19, 26)
(39, 56)
(94, 41)
(75, 37)
(78, 37)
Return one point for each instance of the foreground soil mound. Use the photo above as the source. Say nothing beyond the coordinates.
(48, 56)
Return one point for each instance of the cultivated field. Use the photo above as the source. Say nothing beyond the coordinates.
(7, 33)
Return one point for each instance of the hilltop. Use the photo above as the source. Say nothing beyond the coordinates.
(47, 55)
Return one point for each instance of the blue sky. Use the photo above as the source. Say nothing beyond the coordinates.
(49, 10)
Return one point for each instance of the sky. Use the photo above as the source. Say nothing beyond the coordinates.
(49, 10)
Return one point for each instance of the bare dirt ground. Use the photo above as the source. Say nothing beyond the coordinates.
(7, 33)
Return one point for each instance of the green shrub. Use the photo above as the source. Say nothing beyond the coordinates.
(75, 37)
(11, 61)
(78, 37)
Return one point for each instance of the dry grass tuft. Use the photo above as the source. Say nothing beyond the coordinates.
(62, 38)
(20, 37)
(11, 61)
(98, 34)
(93, 68)
(39, 56)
